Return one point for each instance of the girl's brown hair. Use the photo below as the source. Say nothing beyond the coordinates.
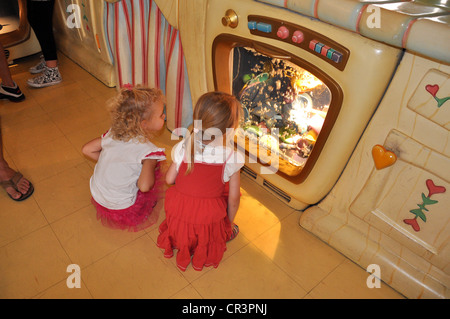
(217, 110)
(129, 108)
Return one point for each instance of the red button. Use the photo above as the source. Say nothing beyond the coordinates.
(298, 37)
(283, 32)
(325, 49)
(312, 44)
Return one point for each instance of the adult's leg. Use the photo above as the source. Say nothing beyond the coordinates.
(40, 17)
(5, 74)
(6, 173)
(8, 88)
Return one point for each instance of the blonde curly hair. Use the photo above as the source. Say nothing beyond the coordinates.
(129, 108)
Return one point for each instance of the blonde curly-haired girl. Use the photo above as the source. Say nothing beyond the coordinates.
(126, 183)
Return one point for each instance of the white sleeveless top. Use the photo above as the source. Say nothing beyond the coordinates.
(114, 183)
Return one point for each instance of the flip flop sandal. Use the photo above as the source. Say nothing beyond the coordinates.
(13, 183)
(235, 232)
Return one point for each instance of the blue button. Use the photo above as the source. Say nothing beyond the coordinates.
(264, 27)
(252, 25)
(318, 47)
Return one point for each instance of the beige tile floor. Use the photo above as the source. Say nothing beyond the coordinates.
(273, 257)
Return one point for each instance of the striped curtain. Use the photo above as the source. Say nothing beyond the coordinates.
(147, 50)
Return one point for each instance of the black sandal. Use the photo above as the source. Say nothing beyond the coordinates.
(13, 183)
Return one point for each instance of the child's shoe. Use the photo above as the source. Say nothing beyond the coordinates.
(38, 68)
(50, 76)
(235, 232)
(11, 93)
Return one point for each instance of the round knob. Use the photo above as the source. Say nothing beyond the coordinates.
(283, 32)
(230, 19)
(298, 37)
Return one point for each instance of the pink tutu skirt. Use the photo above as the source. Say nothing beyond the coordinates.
(139, 216)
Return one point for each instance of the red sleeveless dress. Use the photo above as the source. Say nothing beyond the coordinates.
(196, 223)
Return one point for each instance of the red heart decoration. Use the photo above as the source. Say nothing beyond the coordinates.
(433, 189)
(432, 89)
(413, 223)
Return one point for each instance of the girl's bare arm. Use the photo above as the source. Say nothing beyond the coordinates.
(171, 174)
(147, 178)
(234, 195)
(93, 148)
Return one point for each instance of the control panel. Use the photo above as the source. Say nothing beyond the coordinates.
(315, 43)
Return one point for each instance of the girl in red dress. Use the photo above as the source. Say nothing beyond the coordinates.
(201, 206)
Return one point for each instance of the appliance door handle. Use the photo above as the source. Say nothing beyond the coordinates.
(269, 52)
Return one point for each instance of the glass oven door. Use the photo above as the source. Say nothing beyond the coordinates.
(288, 105)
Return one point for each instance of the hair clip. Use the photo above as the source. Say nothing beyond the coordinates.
(128, 86)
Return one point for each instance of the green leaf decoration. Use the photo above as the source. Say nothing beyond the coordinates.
(419, 213)
(427, 200)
